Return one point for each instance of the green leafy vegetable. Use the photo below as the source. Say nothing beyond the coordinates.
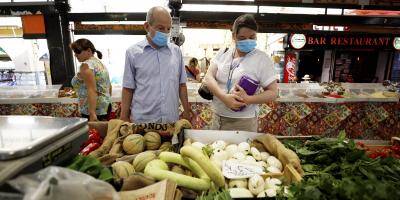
(336, 169)
(222, 194)
(90, 165)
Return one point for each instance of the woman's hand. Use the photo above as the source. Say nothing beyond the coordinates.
(239, 91)
(93, 117)
(233, 101)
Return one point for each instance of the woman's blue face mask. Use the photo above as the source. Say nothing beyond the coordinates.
(247, 45)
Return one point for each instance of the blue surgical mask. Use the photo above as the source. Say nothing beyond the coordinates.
(246, 46)
(160, 39)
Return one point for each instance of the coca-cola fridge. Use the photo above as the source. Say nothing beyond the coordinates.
(290, 67)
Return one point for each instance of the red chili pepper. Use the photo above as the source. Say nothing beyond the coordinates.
(89, 148)
(395, 149)
(383, 153)
(93, 130)
(373, 155)
(94, 137)
(361, 144)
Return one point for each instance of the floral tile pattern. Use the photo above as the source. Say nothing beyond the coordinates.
(363, 120)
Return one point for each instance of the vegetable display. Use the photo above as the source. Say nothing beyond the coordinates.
(138, 158)
(336, 169)
(329, 169)
(237, 159)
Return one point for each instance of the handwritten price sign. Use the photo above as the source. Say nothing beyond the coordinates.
(233, 169)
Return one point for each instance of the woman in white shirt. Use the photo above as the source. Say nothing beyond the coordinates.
(233, 108)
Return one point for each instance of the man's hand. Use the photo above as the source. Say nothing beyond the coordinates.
(233, 101)
(188, 114)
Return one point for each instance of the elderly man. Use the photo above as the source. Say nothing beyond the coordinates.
(154, 78)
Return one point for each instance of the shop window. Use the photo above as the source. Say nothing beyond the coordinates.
(355, 66)
(395, 76)
(310, 63)
(113, 48)
(22, 61)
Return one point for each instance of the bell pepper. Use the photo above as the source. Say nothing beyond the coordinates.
(89, 148)
(93, 137)
(395, 149)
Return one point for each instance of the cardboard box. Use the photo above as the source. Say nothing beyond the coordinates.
(163, 190)
(208, 136)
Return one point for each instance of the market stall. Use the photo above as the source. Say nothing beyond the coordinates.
(145, 161)
(301, 109)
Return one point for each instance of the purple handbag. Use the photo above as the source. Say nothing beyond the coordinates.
(249, 85)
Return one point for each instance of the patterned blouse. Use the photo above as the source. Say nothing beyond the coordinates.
(102, 87)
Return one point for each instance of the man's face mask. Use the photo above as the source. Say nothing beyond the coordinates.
(160, 39)
(247, 45)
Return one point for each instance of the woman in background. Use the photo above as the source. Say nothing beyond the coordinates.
(92, 82)
(192, 71)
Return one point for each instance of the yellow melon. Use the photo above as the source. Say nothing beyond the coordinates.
(133, 144)
(165, 146)
(141, 160)
(122, 169)
(153, 140)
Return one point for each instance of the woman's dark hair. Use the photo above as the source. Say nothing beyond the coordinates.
(193, 62)
(84, 44)
(246, 20)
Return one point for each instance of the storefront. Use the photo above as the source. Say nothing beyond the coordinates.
(341, 57)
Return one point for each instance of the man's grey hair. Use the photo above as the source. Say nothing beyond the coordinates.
(150, 14)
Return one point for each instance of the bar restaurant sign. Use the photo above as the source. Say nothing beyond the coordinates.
(343, 41)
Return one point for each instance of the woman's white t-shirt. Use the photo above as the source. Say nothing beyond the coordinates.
(255, 64)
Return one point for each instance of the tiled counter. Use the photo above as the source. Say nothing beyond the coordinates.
(368, 118)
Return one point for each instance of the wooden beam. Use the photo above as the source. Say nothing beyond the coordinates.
(77, 17)
(293, 27)
(345, 4)
(292, 18)
(126, 29)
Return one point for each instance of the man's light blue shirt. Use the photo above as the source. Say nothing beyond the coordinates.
(155, 76)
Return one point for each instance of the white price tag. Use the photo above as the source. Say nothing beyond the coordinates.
(233, 169)
(174, 139)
